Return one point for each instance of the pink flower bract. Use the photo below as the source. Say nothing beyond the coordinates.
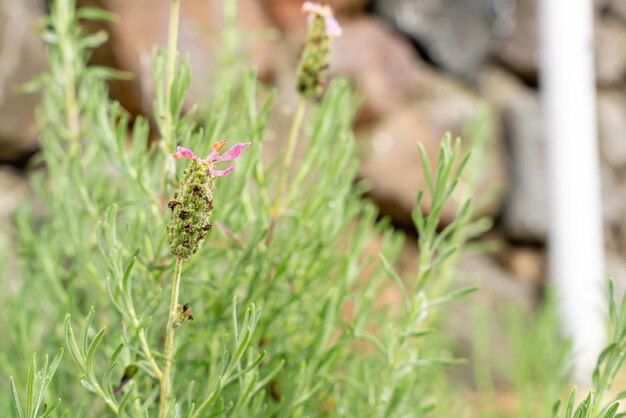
(214, 156)
(332, 26)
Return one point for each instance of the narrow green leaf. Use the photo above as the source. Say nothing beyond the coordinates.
(452, 296)
(85, 330)
(92, 348)
(610, 411)
(16, 399)
(391, 273)
(95, 13)
(426, 169)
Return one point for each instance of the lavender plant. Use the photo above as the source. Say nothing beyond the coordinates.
(264, 316)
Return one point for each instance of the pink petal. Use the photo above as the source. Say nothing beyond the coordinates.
(332, 26)
(223, 172)
(184, 153)
(232, 153)
(310, 7)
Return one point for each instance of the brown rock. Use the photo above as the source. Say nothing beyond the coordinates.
(457, 34)
(526, 264)
(143, 24)
(383, 65)
(391, 158)
(22, 57)
(519, 50)
(616, 270)
(525, 214)
(618, 8)
(498, 293)
(391, 162)
(612, 127)
(610, 51)
(613, 205)
(500, 87)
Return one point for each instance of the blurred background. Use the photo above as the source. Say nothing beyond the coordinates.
(421, 68)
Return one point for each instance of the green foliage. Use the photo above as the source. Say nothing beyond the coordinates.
(519, 361)
(285, 315)
(609, 363)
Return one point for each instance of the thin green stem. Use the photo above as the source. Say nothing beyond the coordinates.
(145, 346)
(296, 124)
(170, 69)
(166, 382)
(69, 83)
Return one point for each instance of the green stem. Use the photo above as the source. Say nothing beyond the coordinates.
(145, 346)
(296, 124)
(166, 382)
(170, 69)
(69, 83)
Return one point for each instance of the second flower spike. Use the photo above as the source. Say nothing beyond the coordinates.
(314, 62)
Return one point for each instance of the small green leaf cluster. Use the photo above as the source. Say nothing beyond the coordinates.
(37, 386)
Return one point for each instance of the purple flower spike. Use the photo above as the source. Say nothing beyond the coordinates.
(214, 156)
(315, 9)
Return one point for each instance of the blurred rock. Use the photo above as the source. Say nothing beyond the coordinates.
(612, 127)
(499, 292)
(500, 88)
(525, 215)
(391, 162)
(610, 51)
(525, 210)
(526, 264)
(613, 206)
(496, 284)
(616, 270)
(456, 34)
(618, 8)
(22, 57)
(519, 50)
(383, 66)
(390, 157)
(143, 24)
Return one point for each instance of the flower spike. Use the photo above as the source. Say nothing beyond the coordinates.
(192, 205)
(323, 27)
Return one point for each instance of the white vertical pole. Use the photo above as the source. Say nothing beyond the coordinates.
(575, 235)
